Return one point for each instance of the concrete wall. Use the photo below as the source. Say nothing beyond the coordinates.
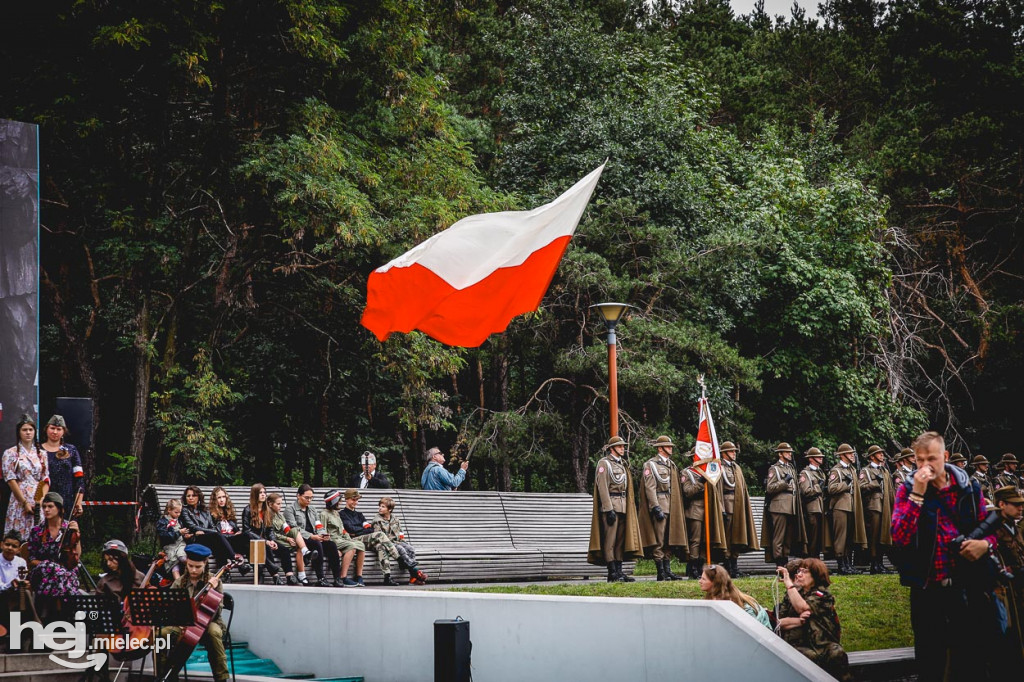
(387, 636)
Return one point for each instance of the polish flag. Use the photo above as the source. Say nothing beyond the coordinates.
(469, 281)
(706, 449)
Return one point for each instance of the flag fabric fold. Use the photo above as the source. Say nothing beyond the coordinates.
(706, 449)
(469, 281)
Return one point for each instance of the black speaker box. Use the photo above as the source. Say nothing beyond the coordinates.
(77, 413)
(451, 650)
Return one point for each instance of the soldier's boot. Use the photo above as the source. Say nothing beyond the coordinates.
(622, 574)
(661, 570)
(874, 569)
(613, 576)
(734, 570)
(669, 575)
(851, 566)
(844, 566)
(692, 570)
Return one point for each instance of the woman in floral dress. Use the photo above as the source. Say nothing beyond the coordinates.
(51, 578)
(25, 468)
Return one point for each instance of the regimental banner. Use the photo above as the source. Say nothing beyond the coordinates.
(19, 270)
(705, 452)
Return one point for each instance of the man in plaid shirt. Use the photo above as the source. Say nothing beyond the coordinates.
(934, 506)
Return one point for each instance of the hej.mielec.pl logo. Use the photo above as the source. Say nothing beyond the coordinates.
(61, 636)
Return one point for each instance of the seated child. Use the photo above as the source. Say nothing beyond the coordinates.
(348, 546)
(290, 537)
(169, 532)
(389, 524)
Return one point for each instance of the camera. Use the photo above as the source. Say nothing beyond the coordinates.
(986, 527)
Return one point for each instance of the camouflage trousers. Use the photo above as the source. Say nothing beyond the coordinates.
(379, 542)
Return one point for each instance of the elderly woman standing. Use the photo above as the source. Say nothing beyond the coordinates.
(26, 469)
(66, 474)
(817, 626)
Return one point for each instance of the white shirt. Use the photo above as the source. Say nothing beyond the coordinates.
(9, 570)
(363, 481)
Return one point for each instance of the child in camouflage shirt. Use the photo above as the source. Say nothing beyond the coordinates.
(388, 523)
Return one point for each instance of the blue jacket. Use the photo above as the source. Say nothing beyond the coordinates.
(436, 477)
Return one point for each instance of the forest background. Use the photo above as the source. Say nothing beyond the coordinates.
(822, 216)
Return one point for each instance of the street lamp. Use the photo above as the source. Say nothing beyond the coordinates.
(611, 313)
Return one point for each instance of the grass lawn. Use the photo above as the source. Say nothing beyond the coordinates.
(873, 609)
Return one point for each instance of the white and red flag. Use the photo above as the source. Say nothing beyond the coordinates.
(706, 449)
(469, 281)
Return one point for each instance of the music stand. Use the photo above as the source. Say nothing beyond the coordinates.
(160, 608)
(103, 617)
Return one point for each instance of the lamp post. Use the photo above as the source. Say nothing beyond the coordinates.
(611, 313)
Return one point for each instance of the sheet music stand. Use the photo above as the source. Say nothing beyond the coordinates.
(160, 608)
(103, 617)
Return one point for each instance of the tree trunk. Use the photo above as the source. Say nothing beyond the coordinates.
(580, 445)
(140, 394)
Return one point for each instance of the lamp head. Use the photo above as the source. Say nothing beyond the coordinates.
(611, 313)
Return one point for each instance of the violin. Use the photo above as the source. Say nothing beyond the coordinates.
(136, 634)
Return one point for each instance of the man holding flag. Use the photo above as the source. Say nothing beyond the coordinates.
(704, 522)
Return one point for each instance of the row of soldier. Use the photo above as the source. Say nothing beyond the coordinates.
(807, 512)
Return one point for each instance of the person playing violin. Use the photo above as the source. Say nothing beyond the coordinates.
(196, 577)
(53, 554)
(121, 575)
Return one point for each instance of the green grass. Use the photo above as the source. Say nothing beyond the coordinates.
(873, 609)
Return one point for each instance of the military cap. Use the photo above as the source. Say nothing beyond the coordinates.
(813, 452)
(1008, 458)
(26, 419)
(1008, 493)
(957, 457)
(612, 442)
(979, 459)
(352, 494)
(783, 447)
(728, 446)
(845, 449)
(874, 449)
(115, 546)
(57, 420)
(905, 453)
(663, 442)
(197, 552)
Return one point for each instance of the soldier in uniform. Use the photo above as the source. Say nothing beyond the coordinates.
(812, 494)
(782, 525)
(879, 496)
(740, 533)
(847, 510)
(958, 460)
(662, 528)
(1009, 474)
(1010, 545)
(614, 531)
(980, 464)
(904, 466)
(694, 484)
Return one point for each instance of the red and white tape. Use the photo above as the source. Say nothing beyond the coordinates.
(104, 503)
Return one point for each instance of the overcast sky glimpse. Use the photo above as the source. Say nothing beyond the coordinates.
(774, 7)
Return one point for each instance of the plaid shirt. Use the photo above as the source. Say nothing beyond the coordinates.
(904, 527)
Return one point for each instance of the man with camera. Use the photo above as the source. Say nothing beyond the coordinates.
(935, 525)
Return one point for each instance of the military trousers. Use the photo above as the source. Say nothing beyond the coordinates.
(842, 528)
(731, 552)
(695, 532)
(379, 542)
(661, 550)
(213, 640)
(873, 524)
(815, 523)
(613, 537)
(781, 533)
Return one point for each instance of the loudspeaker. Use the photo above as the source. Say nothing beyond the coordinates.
(452, 650)
(77, 413)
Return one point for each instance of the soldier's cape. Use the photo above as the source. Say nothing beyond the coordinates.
(632, 549)
(797, 534)
(888, 501)
(676, 523)
(860, 533)
(712, 515)
(744, 534)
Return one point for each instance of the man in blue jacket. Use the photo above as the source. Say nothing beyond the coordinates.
(435, 477)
